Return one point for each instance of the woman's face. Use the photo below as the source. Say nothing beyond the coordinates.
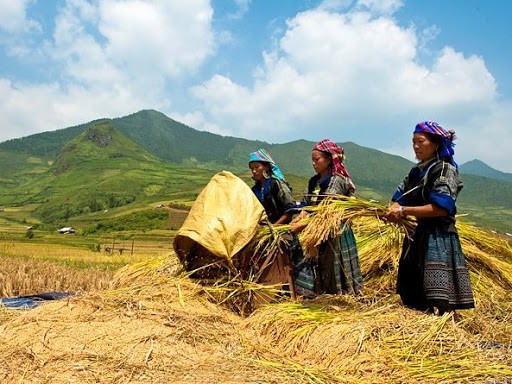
(424, 147)
(258, 169)
(321, 163)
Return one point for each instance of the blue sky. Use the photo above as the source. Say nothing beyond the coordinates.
(350, 70)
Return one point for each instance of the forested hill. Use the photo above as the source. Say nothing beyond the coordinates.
(479, 168)
(375, 173)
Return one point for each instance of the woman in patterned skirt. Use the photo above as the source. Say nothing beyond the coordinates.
(432, 273)
(336, 269)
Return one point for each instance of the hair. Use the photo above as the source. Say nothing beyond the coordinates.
(436, 139)
(329, 155)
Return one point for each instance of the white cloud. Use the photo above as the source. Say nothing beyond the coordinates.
(34, 108)
(110, 58)
(168, 37)
(485, 136)
(384, 7)
(13, 18)
(242, 8)
(351, 75)
(334, 5)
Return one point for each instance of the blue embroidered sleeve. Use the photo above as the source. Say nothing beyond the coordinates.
(444, 201)
(399, 192)
(445, 190)
(397, 195)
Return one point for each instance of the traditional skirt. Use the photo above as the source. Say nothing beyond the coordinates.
(433, 272)
(336, 270)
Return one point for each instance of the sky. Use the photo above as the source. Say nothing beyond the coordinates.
(364, 71)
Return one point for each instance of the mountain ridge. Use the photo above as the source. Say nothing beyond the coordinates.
(168, 147)
(479, 168)
(48, 144)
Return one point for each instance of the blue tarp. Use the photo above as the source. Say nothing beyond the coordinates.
(32, 301)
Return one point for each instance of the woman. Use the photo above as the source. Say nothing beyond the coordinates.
(274, 194)
(432, 272)
(336, 269)
(271, 188)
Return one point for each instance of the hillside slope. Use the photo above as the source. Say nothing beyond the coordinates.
(479, 168)
(100, 169)
(153, 138)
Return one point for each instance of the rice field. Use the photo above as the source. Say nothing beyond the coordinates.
(29, 268)
(153, 324)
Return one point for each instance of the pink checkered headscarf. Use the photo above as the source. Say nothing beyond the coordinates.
(336, 152)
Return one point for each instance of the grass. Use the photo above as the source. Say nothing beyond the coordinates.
(139, 318)
(28, 268)
(155, 323)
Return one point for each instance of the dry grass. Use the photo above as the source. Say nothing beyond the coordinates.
(154, 325)
(157, 325)
(34, 268)
(22, 277)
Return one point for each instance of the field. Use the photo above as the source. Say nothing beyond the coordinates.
(33, 260)
(137, 318)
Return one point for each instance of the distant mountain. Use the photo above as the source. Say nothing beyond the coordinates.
(108, 162)
(99, 169)
(177, 143)
(479, 168)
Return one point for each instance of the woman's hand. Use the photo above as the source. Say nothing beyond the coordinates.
(395, 213)
(296, 225)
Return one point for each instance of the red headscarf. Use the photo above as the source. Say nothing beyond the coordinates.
(332, 148)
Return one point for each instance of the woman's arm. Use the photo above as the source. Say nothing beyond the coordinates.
(284, 219)
(397, 212)
(296, 226)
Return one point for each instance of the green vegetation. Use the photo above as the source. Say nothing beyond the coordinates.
(140, 221)
(90, 171)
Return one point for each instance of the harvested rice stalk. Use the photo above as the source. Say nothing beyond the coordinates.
(331, 215)
(379, 245)
(385, 344)
(480, 261)
(270, 236)
(485, 241)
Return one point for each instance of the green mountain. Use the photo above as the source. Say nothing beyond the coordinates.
(479, 168)
(100, 169)
(112, 162)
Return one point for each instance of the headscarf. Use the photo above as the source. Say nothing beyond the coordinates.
(445, 149)
(329, 146)
(262, 156)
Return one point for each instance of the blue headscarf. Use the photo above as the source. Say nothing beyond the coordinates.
(445, 149)
(262, 156)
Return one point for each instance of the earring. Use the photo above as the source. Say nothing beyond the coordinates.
(265, 174)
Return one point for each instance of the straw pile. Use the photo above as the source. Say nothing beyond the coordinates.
(157, 325)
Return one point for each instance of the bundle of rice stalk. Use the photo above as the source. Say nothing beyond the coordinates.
(387, 343)
(241, 295)
(485, 241)
(329, 218)
(270, 236)
(379, 245)
(481, 261)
